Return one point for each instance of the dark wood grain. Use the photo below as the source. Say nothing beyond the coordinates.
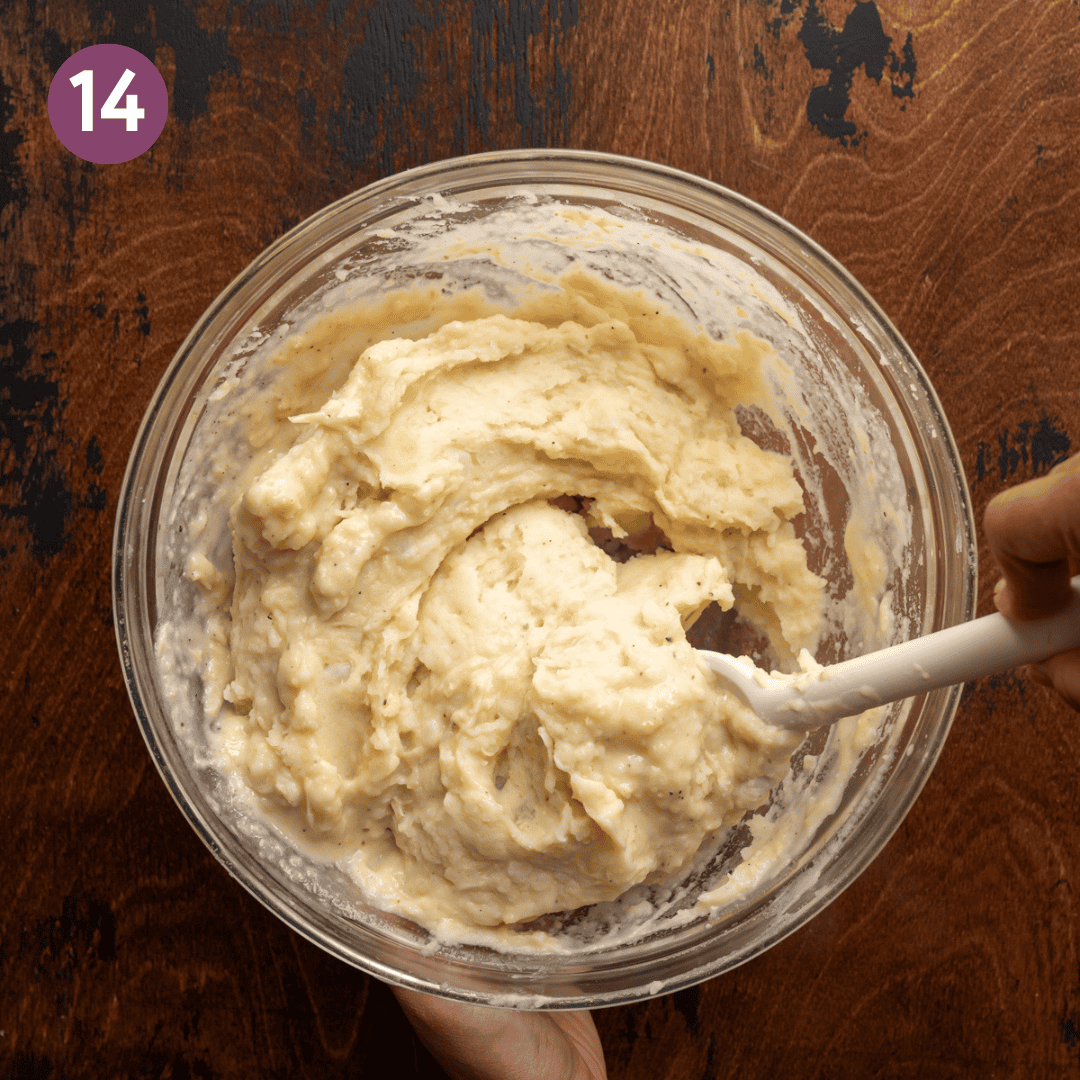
(932, 147)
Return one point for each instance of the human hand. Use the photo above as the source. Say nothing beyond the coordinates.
(1034, 534)
(475, 1043)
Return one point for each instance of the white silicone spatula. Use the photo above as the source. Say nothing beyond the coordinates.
(983, 646)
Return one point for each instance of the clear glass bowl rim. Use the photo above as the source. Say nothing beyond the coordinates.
(279, 261)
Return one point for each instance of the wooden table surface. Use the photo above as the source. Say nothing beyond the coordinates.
(932, 147)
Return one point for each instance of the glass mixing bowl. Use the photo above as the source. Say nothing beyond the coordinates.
(860, 420)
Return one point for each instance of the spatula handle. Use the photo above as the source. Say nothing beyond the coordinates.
(956, 655)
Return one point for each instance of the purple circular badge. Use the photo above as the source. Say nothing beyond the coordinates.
(108, 104)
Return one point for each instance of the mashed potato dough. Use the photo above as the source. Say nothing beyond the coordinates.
(441, 680)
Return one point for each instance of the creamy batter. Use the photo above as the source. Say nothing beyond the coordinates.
(438, 678)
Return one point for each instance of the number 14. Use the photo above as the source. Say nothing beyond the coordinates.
(131, 113)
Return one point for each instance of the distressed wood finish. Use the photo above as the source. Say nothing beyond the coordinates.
(932, 147)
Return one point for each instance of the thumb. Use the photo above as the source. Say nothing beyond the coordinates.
(472, 1042)
(1034, 534)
